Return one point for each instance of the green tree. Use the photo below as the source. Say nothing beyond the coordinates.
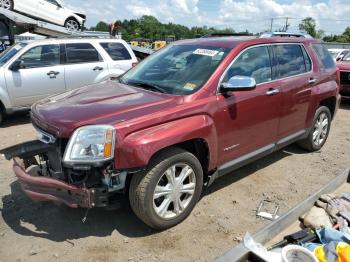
(148, 27)
(308, 25)
(101, 26)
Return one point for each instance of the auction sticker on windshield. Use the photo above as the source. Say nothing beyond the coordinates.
(206, 52)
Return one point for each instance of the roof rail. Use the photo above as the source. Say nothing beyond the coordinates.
(218, 34)
(285, 34)
(88, 34)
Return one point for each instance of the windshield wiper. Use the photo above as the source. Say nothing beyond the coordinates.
(147, 86)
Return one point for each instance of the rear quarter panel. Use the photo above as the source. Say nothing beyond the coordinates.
(326, 86)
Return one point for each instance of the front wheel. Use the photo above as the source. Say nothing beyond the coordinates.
(6, 4)
(165, 195)
(2, 114)
(319, 131)
(71, 25)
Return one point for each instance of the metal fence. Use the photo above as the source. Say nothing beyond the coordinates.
(337, 45)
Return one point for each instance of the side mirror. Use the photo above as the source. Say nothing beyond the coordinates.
(339, 58)
(17, 65)
(238, 83)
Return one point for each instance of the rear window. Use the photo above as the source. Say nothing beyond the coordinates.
(323, 54)
(116, 51)
(290, 60)
(79, 53)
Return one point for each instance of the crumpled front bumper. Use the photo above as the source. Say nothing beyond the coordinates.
(40, 188)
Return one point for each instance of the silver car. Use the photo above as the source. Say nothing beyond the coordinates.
(30, 71)
(52, 11)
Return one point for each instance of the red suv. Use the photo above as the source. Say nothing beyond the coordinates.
(191, 112)
(344, 67)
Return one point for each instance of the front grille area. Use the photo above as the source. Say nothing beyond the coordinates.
(345, 77)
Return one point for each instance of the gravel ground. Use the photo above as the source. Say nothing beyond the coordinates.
(45, 232)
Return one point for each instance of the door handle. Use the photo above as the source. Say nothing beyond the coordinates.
(272, 91)
(98, 68)
(53, 73)
(312, 81)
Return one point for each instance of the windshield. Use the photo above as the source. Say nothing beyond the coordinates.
(333, 53)
(9, 53)
(178, 69)
(347, 57)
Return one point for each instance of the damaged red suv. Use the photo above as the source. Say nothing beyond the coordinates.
(344, 68)
(193, 111)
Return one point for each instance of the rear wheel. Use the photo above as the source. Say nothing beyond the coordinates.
(166, 194)
(1, 116)
(71, 24)
(6, 4)
(319, 131)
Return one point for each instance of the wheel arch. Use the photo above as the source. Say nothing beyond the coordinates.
(331, 103)
(73, 18)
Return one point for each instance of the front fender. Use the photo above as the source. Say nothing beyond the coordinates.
(137, 148)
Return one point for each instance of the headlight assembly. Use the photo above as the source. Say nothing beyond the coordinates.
(91, 144)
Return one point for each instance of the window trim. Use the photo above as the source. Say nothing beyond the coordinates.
(269, 53)
(26, 51)
(319, 58)
(270, 44)
(101, 60)
(302, 53)
(106, 42)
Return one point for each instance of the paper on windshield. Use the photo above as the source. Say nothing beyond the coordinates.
(206, 52)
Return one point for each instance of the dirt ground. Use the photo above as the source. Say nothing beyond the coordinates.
(46, 232)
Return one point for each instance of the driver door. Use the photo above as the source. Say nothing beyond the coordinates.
(40, 75)
(248, 120)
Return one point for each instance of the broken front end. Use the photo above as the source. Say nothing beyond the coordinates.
(78, 172)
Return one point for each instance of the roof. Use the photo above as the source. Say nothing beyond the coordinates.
(232, 41)
(72, 40)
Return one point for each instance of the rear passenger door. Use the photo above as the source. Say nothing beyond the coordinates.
(83, 65)
(120, 58)
(295, 80)
(249, 119)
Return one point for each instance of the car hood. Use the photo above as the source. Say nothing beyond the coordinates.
(343, 65)
(105, 103)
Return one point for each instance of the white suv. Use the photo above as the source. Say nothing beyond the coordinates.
(48, 10)
(30, 71)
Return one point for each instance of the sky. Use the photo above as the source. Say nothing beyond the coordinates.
(332, 16)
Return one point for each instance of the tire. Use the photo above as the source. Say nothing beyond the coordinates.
(310, 143)
(143, 198)
(2, 115)
(6, 4)
(71, 24)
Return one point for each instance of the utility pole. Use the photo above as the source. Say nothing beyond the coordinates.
(287, 25)
(271, 25)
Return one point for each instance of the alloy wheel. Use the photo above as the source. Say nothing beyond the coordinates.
(174, 191)
(320, 129)
(5, 4)
(72, 25)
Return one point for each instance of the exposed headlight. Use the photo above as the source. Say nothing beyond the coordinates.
(91, 144)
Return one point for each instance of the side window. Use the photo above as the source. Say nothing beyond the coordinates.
(80, 53)
(307, 60)
(254, 62)
(324, 56)
(41, 56)
(116, 51)
(290, 60)
(52, 2)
